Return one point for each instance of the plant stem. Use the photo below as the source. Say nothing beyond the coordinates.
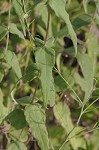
(6, 48)
(47, 29)
(78, 98)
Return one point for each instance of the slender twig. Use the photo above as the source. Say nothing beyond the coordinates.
(7, 42)
(79, 133)
(67, 137)
(80, 115)
(78, 98)
(27, 60)
(91, 104)
(47, 29)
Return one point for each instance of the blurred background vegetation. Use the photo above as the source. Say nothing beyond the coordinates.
(81, 73)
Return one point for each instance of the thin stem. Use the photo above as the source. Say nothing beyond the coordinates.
(7, 42)
(27, 60)
(91, 104)
(67, 138)
(78, 100)
(26, 23)
(82, 111)
(79, 133)
(47, 29)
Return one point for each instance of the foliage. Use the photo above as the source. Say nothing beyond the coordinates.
(49, 74)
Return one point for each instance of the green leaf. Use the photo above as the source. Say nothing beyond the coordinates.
(45, 59)
(50, 42)
(85, 3)
(96, 14)
(18, 6)
(16, 146)
(59, 8)
(40, 1)
(3, 109)
(12, 60)
(82, 21)
(79, 22)
(1, 74)
(31, 73)
(93, 46)
(17, 119)
(24, 100)
(35, 117)
(62, 113)
(3, 32)
(21, 134)
(14, 30)
(1, 53)
(86, 65)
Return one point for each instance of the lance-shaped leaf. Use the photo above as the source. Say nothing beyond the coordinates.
(79, 22)
(93, 45)
(18, 6)
(45, 58)
(59, 7)
(35, 117)
(12, 60)
(86, 65)
(62, 113)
